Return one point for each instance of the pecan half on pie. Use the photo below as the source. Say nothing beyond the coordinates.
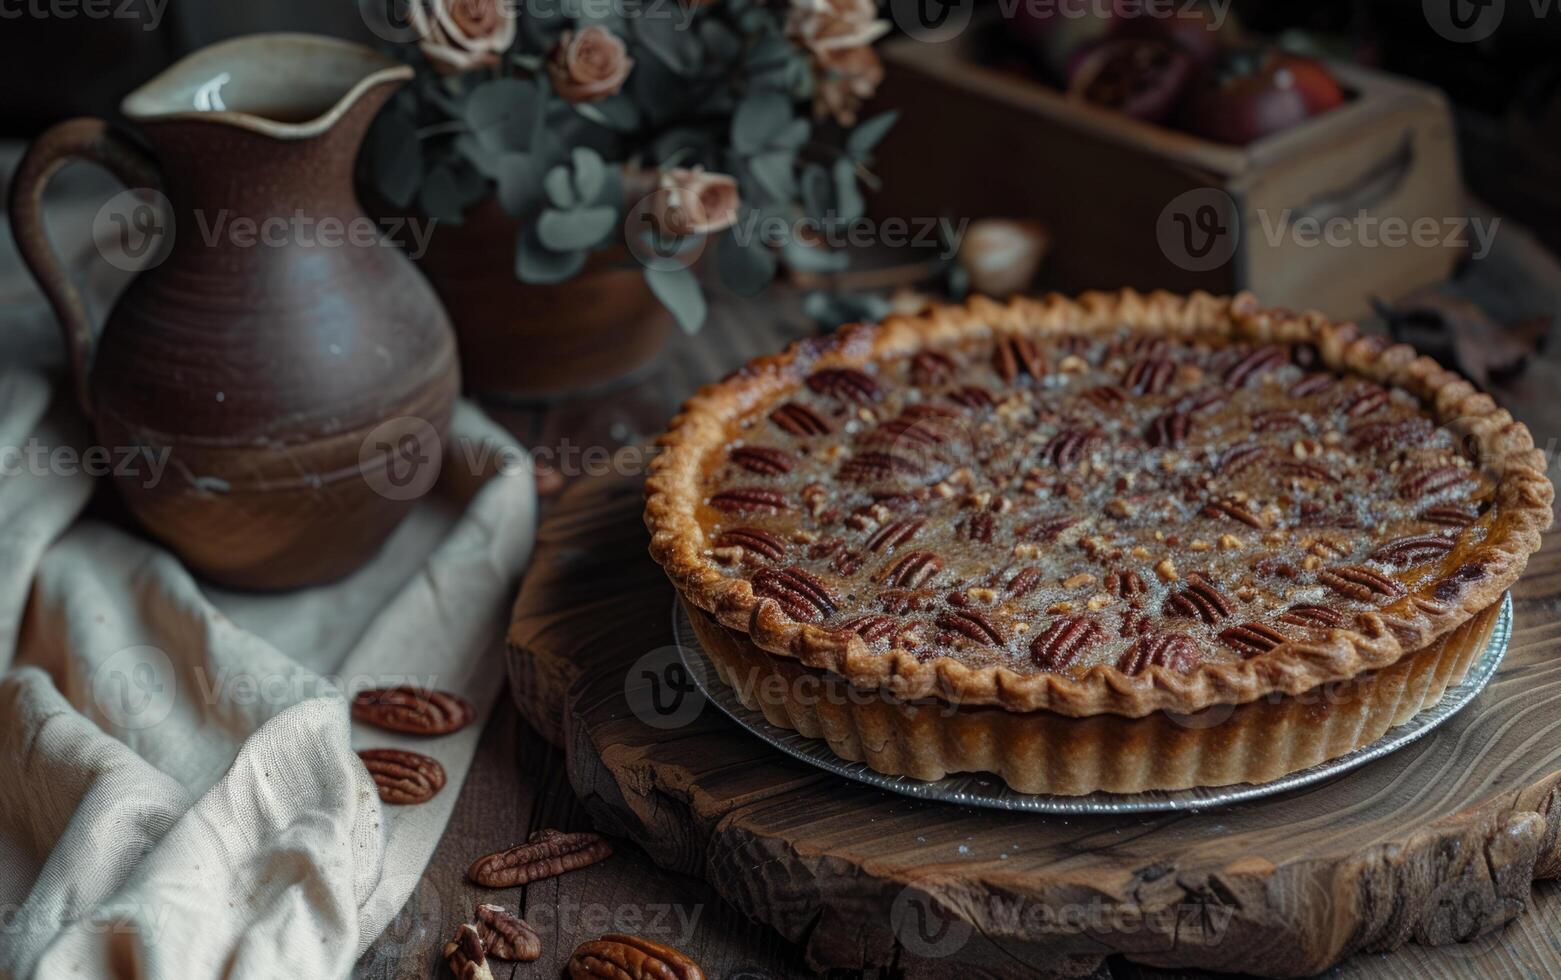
(1120, 543)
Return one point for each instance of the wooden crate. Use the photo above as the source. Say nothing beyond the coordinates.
(976, 142)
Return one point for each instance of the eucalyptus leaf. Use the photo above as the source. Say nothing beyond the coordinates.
(793, 136)
(834, 310)
(670, 43)
(581, 228)
(502, 113)
(519, 177)
(746, 266)
(589, 172)
(772, 172)
(679, 292)
(818, 191)
(721, 45)
(440, 196)
(868, 134)
(616, 112)
(535, 263)
(848, 196)
(759, 118)
(560, 188)
(395, 159)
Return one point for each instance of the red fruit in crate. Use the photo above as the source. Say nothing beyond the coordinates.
(1193, 30)
(1144, 79)
(1257, 94)
(1055, 37)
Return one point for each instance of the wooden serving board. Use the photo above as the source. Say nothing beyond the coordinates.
(1437, 844)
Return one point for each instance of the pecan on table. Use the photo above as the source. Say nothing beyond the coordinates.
(545, 854)
(465, 955)
(403, 777)
(506, 936)
(413, 710)
(619, 957)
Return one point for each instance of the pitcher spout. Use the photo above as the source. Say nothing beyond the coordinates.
(281, 85)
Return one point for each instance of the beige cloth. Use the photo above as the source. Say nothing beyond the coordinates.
(178, 791)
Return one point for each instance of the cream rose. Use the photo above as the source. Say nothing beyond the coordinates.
(463, 35)
(589, 65)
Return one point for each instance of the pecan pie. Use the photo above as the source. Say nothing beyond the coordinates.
(1120, 543)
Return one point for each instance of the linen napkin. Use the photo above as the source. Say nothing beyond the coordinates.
(179, 793)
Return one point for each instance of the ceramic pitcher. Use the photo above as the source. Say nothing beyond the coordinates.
(297, 373)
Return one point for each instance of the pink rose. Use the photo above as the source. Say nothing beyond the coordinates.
(834, 25)
(463, 35)
(685, 202)
(589, 65)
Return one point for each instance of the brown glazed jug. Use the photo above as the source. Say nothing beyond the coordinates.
(293, 366)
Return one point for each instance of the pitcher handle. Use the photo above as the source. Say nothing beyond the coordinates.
(75, 139)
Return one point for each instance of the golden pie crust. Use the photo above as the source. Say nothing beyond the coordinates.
(1002, 716)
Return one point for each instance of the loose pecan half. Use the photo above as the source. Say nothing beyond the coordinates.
(749, 499)
(766, 460)
(413, 710)
(973, 626)
(931, 367)
(506, 936)
(754, 539)
(894, 534)
(1015, 355)
(847, 384)
(403, 777)
(1360, 583)
(1415, 550)
(1312, 616)
(545, 854)
(619, 957)
(1168, 430)
(1064, 640)
(1168, 651)
(902, 601)
(1149, 375)
(1251, 639)
(1263, 359)
(802, 596)
(914, 570)
(923, 430)
(800, 420)
(1199, 600)
(464, 953)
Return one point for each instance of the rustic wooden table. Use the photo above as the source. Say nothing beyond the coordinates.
(518, 782)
